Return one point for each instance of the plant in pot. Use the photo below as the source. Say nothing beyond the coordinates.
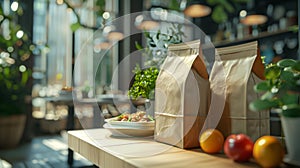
(142, 85)
(281, 92)
(15, 54)
(86, 90)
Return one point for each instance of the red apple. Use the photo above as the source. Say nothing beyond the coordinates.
(238, 147)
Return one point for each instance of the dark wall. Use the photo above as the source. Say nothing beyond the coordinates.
(26, 21)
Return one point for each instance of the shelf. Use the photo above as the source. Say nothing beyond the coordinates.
(252, 38)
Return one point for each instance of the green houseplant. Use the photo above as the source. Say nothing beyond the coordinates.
(15, 53)
(143, 84)
(281, 93)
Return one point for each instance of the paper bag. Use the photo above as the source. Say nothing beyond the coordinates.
(181, 96)
(242, 68)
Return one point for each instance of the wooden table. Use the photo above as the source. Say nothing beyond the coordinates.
(104, 150)
(68, 100)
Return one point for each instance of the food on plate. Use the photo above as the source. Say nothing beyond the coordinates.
(139, 116)
(268, 151)
(238, 147)
(211, 141)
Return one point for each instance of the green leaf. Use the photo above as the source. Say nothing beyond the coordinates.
(151, 119)
(259, 105)
(212, 2)
(227, 6)
(286, 63)
(296, 66)
(152, 44)
(138, 46)
(272, 72)
(174, 5)
(219, 15)
(291, 110)
(101, 5)
(263, 86)
(287, 75)
(25, 76)
(8, 84)
(6, 72)
(147, 34)
(75, 26)
(157, 34)
(144, 83)
(294, 28)
(288, 99)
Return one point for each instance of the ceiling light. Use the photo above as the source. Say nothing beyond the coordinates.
(197, 8)
(115, 36)
(254, 19)
(144, 23)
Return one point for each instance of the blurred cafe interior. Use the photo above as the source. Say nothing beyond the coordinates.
(71, 64)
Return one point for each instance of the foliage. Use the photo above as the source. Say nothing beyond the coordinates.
(174, 5)
(223, 8)
(100, 4)
(155, 52)
(15, 52)
(220, 8)
(144, 83)
(158, 42)
(281, 88)
(86, 88)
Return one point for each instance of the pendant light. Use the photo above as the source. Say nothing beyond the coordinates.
(112, 33)
(254, 15)
(197, 8)
(144, 22)
(253, 18)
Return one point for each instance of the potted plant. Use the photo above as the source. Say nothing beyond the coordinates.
(281, 91)
(142, 85)
(85, 90)
(15, 53)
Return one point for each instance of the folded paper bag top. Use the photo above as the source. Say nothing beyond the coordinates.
(181, 96)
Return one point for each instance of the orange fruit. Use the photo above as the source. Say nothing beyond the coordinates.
(211, 141)
(268, 152)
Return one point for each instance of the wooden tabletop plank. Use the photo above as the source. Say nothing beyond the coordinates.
(187, 159)
(127, 152)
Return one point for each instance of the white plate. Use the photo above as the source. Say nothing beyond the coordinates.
(124, 131)
(112, 122)
(132, 124)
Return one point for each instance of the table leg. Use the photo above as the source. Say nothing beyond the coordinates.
(97, 117)
(70, 126)
(70, 157)
(70, 118)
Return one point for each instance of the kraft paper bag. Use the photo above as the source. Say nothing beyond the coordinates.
(181, 96)
(241, 68)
